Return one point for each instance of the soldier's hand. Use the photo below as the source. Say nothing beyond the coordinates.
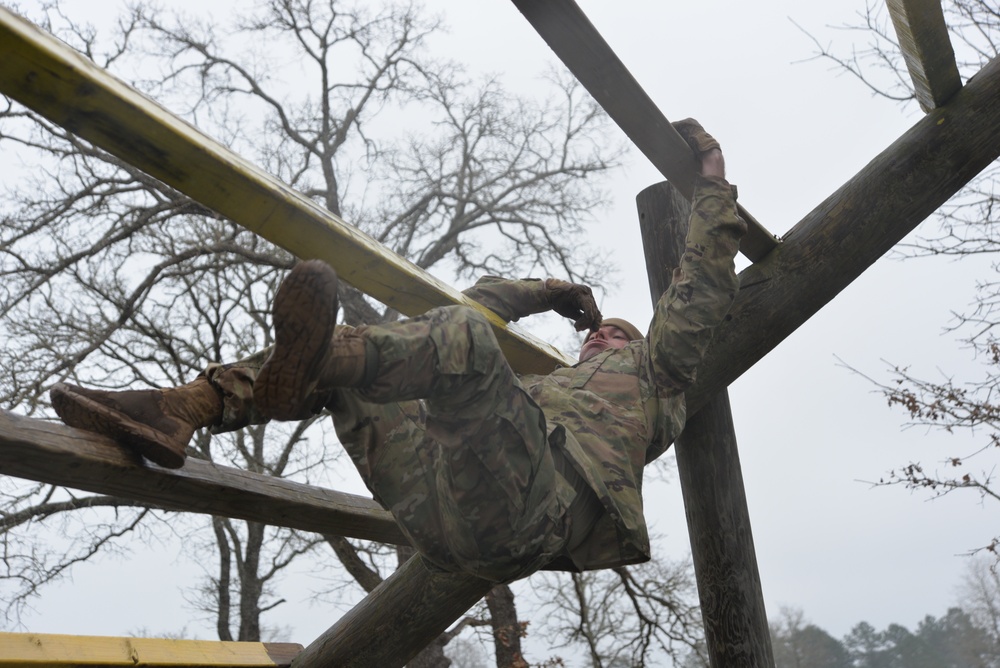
(695, 136)
(704, 146)
(575, 302)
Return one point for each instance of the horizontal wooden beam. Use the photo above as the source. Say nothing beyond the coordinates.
(579, 45)
(47, 76)
(59, 455)
(20, 650)
(930, 58)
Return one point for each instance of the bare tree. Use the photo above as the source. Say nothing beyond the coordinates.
(968, 226)
(112, 278)
(627, 616)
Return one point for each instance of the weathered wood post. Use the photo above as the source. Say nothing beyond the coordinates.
(732, 602)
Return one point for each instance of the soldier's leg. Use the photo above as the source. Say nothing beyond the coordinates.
(156, 423)
(160, 423)
(468, 473)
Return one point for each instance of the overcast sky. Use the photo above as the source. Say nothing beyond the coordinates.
(810, 432)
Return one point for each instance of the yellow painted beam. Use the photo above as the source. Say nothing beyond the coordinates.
(37, 649)
(47, 76)
(930, 58)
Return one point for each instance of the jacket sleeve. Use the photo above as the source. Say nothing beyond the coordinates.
(702, 289)
(510, 299)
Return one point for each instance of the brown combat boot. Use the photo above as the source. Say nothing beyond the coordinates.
(307, 359)
(157, 423)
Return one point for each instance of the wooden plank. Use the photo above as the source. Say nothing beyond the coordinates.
(708, 466)
(47, 76)
(20, 650)
(575, 40)
(59, 455)
(930, 58)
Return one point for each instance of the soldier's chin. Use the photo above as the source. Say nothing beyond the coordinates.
(589, 350)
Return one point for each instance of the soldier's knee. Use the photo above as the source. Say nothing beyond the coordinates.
(465, 342)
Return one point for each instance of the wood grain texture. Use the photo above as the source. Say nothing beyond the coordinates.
(393, 623)
(60, 455)
(930, 58)
(39, 649)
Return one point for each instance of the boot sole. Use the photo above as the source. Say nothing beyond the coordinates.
(81, 412)
(304, 316)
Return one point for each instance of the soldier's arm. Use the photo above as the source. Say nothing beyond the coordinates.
(703, 286)
(514, 299)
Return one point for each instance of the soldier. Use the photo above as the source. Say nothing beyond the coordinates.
(486, 472)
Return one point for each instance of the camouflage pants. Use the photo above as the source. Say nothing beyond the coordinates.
(448, 441)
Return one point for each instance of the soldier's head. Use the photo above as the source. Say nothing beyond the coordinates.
(613, 333)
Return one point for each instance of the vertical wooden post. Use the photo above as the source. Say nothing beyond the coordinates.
(732, 602)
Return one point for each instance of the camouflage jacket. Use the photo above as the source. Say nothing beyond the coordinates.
(621, 409)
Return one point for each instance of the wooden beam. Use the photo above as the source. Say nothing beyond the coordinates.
(392, 624)
(722, 548)
(830, 248)
(20, 650)
(59, 455)
(47, 76)
(708, 466)
(923, 38)
(575, 40)
(855, 226)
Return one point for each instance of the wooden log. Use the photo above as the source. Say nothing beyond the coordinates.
(708, 464)
(41, 649)
(393, 623)
(575, 40)
(722, 547)
(60, 455)
(854, 227)
(47, 76)
(930, 58)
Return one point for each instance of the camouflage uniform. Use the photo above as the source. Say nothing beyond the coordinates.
(497, 475)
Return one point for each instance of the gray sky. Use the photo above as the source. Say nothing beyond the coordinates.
(809, 430)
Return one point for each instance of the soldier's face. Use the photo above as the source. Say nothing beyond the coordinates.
(608, 336)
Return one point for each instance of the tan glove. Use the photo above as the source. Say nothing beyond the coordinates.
(695, 136)
(573, 301)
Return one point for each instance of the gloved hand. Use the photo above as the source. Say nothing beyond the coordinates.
(575, 302)
(695, 136)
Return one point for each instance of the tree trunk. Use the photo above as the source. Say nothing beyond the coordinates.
(507, 630)
(251, 586)
(223, 607)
